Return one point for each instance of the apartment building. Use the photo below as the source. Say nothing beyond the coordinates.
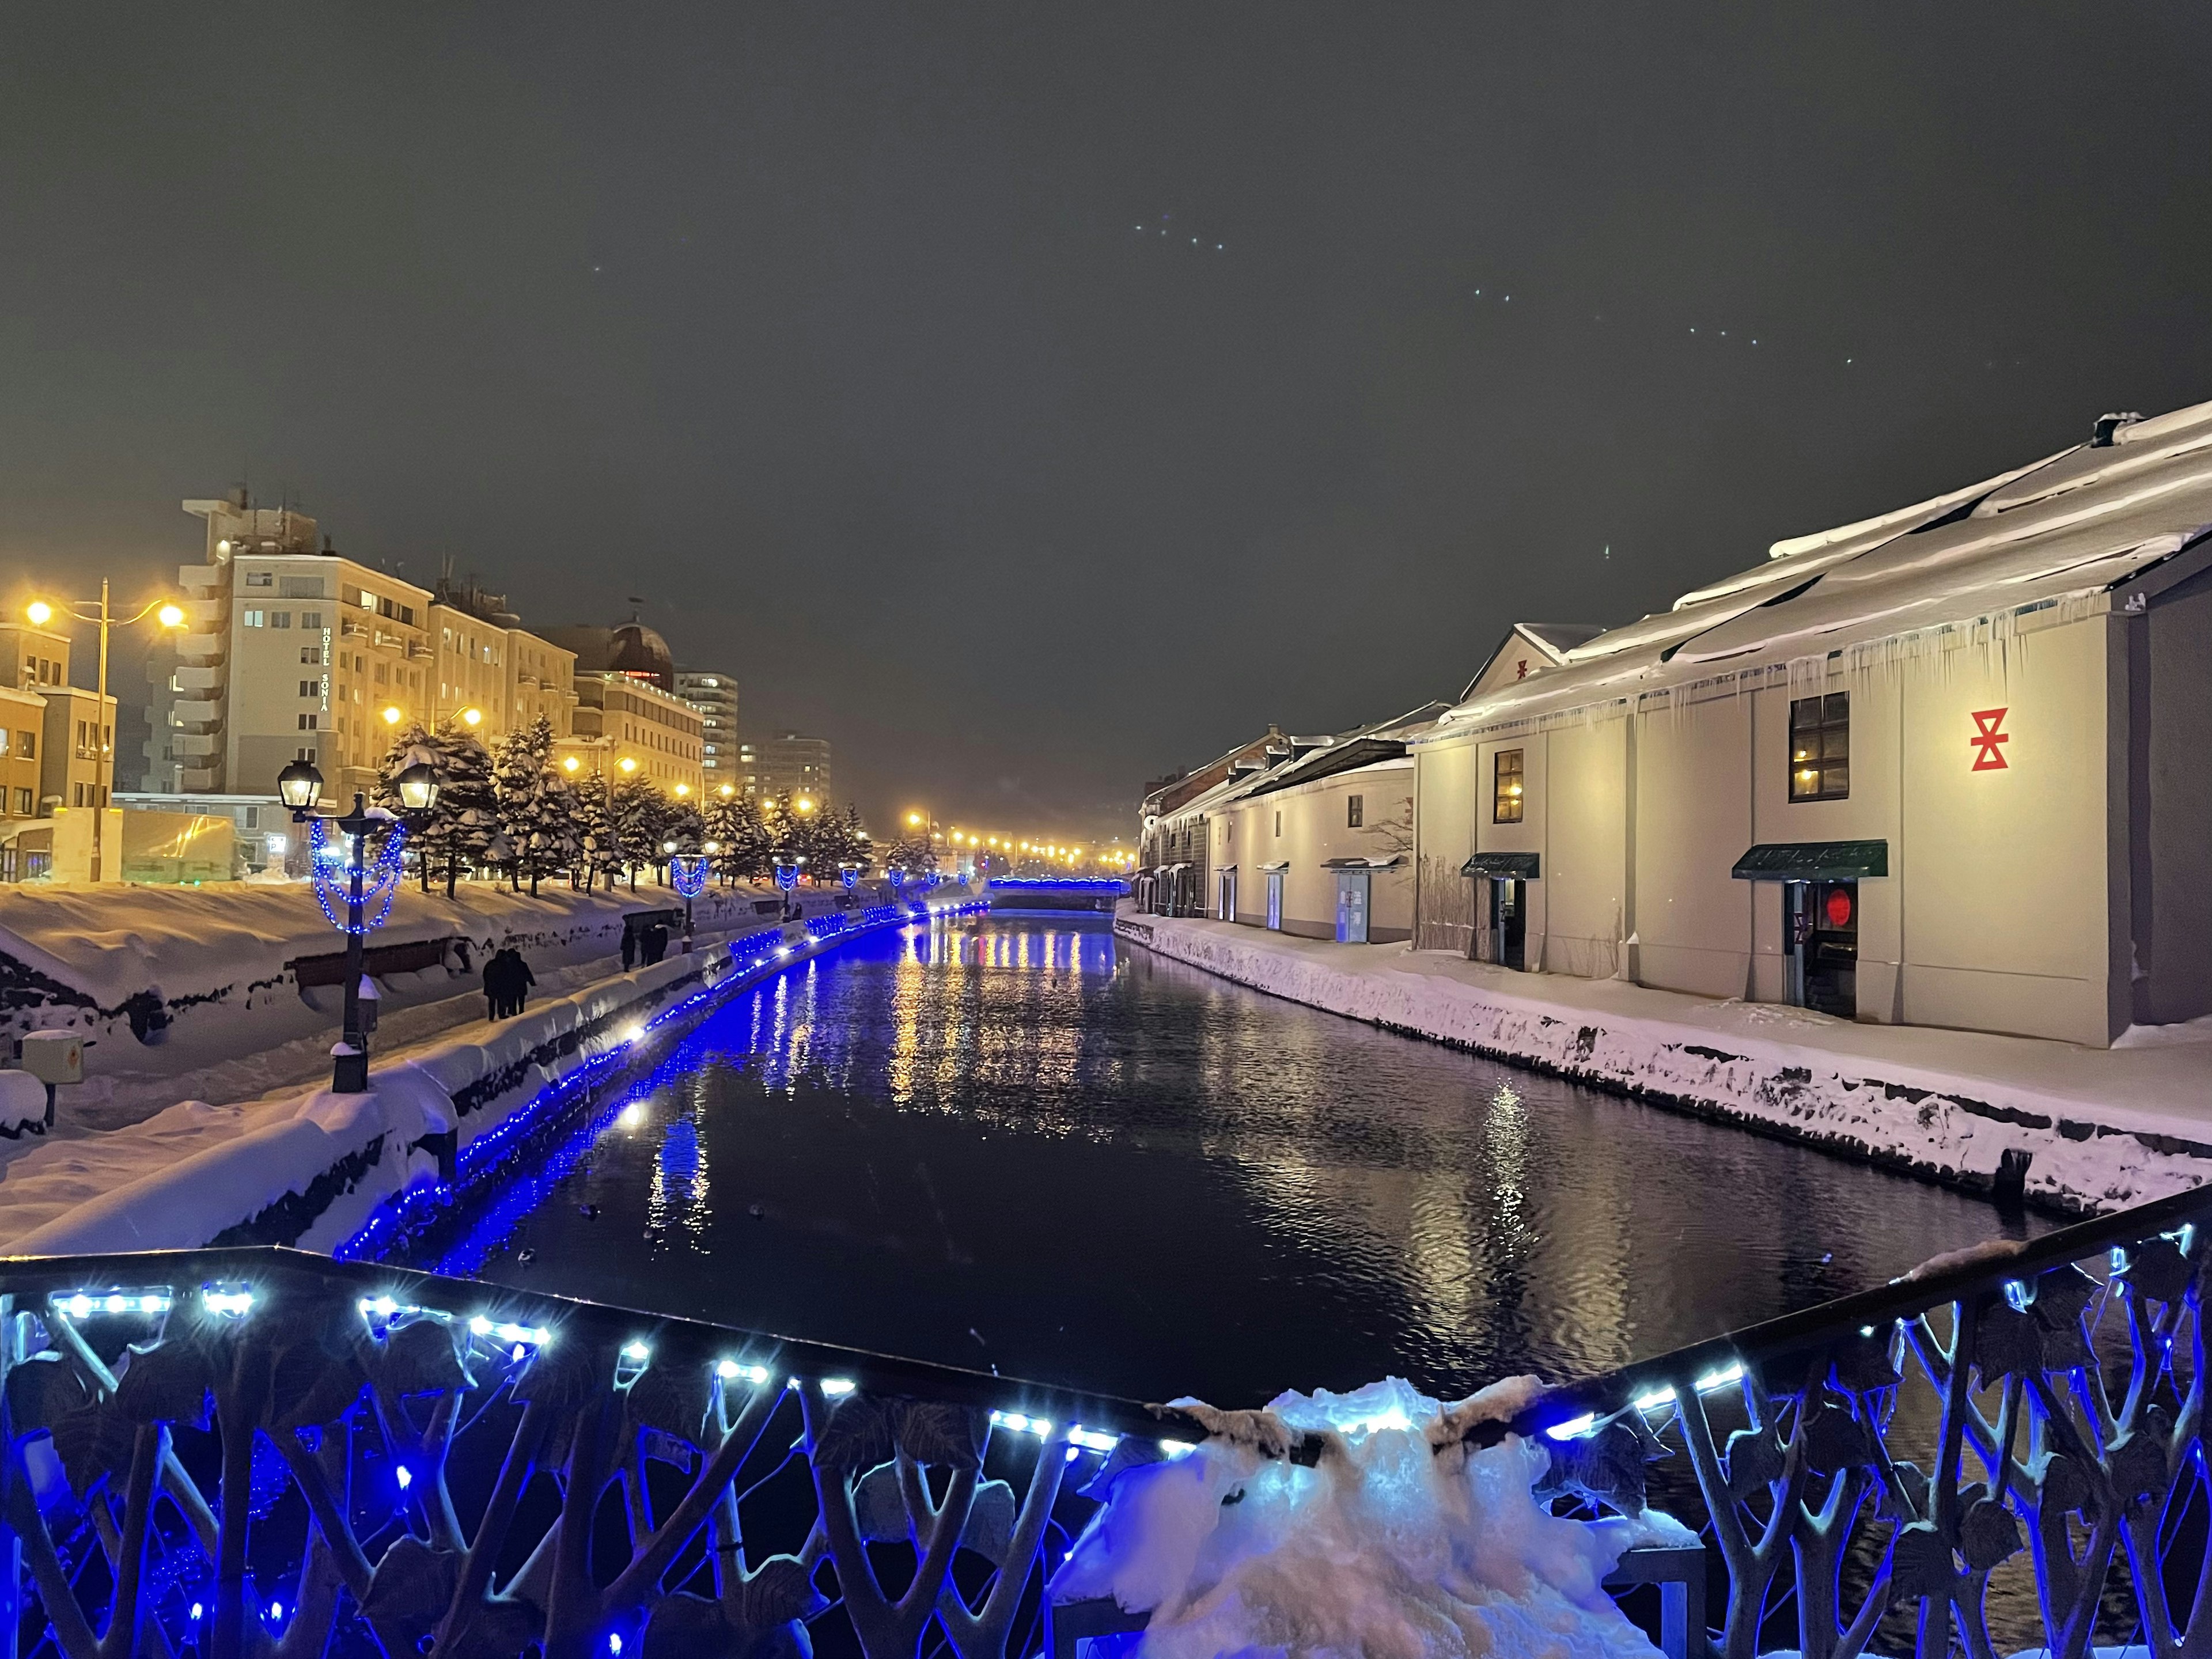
(794, 762)
(715, 696)
(55, 739)
(294, 652)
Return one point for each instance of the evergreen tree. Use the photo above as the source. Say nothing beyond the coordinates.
(635, 813)
(591, 827)
(913, 854)
(526, 801)
(460, 828)
(740, 834)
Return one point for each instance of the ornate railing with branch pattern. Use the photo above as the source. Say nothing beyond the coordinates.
(2002, 1451)
(255, 1451)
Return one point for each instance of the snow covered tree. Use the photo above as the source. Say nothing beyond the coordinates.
(635, 809)
(741, 839)
(526, 801)
(591, 827)
(458, 831)
(913, 854)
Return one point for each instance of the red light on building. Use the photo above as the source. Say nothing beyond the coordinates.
(1839, 908)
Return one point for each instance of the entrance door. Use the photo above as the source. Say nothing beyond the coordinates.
(1822, 971)
(1227, 906)
(1275, 901)
(1352, 890)
(1509, 924)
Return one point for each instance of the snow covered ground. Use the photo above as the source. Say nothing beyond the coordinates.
(304, 1165)
(2104, 1129)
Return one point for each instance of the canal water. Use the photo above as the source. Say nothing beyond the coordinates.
(1016, 1142)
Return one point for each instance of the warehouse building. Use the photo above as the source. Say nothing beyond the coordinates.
(1951, 766)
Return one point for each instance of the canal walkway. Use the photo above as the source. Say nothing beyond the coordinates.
(2100, 1128)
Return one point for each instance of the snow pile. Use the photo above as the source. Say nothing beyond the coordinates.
(1387, 1548)
(2103, 1129)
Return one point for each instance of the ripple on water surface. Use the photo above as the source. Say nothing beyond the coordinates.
(1016, 1142)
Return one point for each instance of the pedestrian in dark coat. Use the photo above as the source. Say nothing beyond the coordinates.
(495, 986)
(629, 947)
(656, 944)
(520, 980)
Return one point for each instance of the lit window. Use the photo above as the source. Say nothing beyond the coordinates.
(253, 618)
(1820, 747)
(1506, 799)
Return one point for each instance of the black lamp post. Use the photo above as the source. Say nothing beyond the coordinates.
(299, 785)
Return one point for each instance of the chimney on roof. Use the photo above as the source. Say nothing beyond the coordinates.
(2108, 426)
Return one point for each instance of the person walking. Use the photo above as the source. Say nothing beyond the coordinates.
(495, 986)
(519, 981)
(629, 947)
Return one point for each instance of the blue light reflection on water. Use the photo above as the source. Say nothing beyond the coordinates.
(1011, 1141)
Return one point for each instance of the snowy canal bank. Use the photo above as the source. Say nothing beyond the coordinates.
(309, 1167)
(2101, 1128)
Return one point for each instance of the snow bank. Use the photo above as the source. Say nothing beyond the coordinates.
(206, 973)
(311, 1168)
(1385, 1546)
(2102, 1129)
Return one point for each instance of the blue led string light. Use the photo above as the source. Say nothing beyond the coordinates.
(379, 883)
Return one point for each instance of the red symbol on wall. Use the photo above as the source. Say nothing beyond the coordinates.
(1839, 908)
(1520, 669)
(1988, 736)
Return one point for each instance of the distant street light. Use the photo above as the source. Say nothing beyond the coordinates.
(166, 612)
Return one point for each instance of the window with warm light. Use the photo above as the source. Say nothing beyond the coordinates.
(1820, 747)
(1506, 787)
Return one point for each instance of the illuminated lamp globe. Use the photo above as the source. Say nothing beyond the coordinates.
(727, 791)
(300, 786)
(570, 764)
(390, 715)
(472, 716)
(417, 786)
(682, 790)
(40, 612)
(712, 847)
(668, 847)
(170, 615)
(628, 764)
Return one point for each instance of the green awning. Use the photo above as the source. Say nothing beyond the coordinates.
(1812, 860)
(1501, 867)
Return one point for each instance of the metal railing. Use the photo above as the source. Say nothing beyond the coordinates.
(239, 1451)
(2003, 1450)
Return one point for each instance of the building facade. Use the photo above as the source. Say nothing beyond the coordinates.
(294, 652)
(792, 762)
(1945, 767)
(715, 696)
(56, 743)
(629, 721)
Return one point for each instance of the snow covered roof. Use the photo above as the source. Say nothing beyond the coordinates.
(2067, 529)
(1546, 643)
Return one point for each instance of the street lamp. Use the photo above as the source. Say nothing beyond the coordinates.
(299, 785)
(168, 614)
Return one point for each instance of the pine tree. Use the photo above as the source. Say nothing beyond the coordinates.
(525, 800)
(591, 825)
(634, 811)
(740, 835)
(460, 828)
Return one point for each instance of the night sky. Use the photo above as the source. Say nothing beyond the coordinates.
(1033, 399)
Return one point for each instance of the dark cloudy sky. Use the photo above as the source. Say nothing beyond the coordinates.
(1030, 399)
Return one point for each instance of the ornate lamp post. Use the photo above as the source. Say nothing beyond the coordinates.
(300, 786)
(169, 614)
(688, 872)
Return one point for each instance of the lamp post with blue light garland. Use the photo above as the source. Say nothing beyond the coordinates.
(300, 786)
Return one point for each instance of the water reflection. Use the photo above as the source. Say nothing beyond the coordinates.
(1010, 1142)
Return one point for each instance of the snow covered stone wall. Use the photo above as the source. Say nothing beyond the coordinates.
(208, 970)
(311, 1168)
(2100, 1129)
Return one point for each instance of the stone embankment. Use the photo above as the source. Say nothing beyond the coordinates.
(2068, 1128)
(311, 1168)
